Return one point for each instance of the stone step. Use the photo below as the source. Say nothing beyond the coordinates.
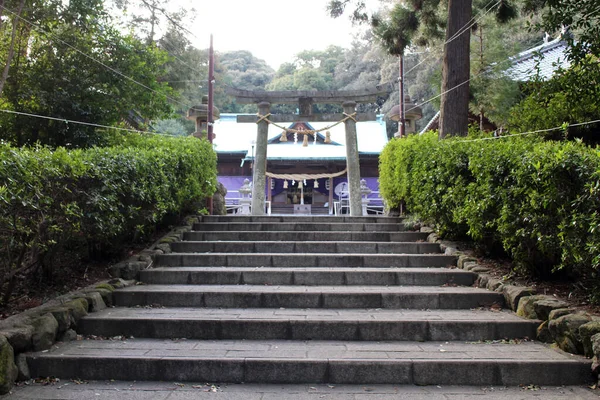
(301, 218)
(305, 247)
(304, 260)
(307, 324)
(307, 276)
(430, 363)
(261, 296)
(161, 390)
(298, 226)
(331, 236)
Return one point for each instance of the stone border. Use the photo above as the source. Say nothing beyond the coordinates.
(37, 329)
(573, 331)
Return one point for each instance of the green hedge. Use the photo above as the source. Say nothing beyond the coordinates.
(538, 200)
(50, 199)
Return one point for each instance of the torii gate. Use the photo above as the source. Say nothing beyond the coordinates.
(305, 101)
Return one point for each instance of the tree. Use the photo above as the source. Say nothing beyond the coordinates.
(147, 18)
(73, 65)
(571, 95)
(310, 70)
(454, 108)
(420, 21)
(11, 49)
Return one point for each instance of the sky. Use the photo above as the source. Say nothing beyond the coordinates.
(273, 30)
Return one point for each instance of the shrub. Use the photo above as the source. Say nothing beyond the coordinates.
(100, 197)
(539, 201)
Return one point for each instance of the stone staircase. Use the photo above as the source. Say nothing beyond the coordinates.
(308, 300)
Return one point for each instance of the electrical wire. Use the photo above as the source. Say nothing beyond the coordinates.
(462, 30)
(71, 121)
(457, 86)
(528, 133)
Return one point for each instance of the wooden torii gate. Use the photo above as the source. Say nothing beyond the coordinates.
(305, 100)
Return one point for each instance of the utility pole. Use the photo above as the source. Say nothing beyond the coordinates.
(211, 81)
(211, 119)
(402, 121)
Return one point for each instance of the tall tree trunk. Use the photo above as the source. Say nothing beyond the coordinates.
(454, 109)
(11, 49)
(1, 12)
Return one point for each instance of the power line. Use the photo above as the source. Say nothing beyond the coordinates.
(67, 121)
(562, 127)
(457, 86)
(41, 30)
(462, 30)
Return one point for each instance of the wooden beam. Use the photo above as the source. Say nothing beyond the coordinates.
(315, 96)
(283, 118)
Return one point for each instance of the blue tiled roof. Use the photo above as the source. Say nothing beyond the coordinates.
(232, 136)
(550, 56)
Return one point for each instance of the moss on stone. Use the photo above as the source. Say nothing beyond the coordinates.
(106, 286)
(8, 368)
(62, 316)
(78, 307)
(526, 308)
(544, 307)
(565, 331)
(45, 329)
(586, 331)
(559, 312)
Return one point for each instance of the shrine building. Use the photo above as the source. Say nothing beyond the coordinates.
(300, 168)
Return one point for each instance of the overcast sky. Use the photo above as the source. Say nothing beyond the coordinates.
(273, 30)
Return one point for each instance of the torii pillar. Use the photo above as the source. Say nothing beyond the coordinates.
(352, 160)
(260, 162)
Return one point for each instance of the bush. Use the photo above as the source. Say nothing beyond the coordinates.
(100, 197)
(539, 201)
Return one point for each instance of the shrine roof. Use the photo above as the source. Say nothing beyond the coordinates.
(549, 56)
(234, 137)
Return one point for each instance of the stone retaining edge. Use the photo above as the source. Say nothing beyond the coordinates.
(39, 328)
(573, 331)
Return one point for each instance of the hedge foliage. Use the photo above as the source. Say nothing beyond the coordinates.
(538, 200)
(50, 199)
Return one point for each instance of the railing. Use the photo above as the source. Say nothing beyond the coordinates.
(233, 206)
(376, 204)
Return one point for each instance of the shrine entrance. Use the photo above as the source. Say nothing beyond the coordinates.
(305, 100)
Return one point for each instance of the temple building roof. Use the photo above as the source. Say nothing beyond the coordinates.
(234, 137)
(550, 56)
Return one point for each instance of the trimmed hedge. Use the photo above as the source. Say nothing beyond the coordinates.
(538, 200)
(50, 199)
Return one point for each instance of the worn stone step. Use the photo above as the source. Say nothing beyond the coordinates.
(430, 363)
(307, 276)
(261, 296)
(301, 218)
(161, 390)
(308, 324)
(298, 226)
(304, 260)
(305, 247)
(331, 236)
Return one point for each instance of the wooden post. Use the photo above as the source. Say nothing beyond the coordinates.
(260, 162)
(331, 196)
(269, 189)
(352, 161)
(402, 122)
(211, 118)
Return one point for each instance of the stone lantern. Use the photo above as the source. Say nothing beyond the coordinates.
(364, 192)
(245, 200)
(412, 114)
(199, 114)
